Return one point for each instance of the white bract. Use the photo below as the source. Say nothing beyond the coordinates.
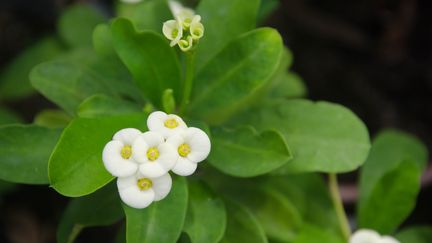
(166, 125)
(193, 146)
(186, 29)
(138, 191)
(173, 31)
(117, 154)
(155, 157)
(370, 236)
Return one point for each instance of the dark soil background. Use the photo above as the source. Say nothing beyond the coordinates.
(373, 56)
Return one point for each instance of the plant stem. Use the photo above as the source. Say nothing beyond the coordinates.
(338, 205)
(187, 85)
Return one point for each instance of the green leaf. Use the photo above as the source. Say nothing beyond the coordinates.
(148, 56)
(75, 167)
(102, 40)
(14, 80)
(76, 24)
(162, 221)
(206, 216)
(266, 8)
(392, 199)
(311, 233)
(102, 105)
(52, 119)
(24, 153)
(289, 85)
(6, 187)
(245, 153)
(322, 136)
(147, 15)
(415, 234)
(67, 82)
(234, 17)
(242, 226)
(98, 209)
(310, 196)
(8, 117)
(231, 80)
(388, 150)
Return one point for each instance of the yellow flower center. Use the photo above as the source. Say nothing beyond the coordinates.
(174, 33)
(152, 154)
(144, 184)
(126, 152)
(171, 123)
(184, 150)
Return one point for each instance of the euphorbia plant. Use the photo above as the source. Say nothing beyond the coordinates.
(231, 81)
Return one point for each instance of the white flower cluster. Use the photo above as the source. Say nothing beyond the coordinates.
(370, 236)
(142, 161)
(186, 29)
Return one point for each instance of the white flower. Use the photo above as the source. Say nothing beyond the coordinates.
(117, 154)
(370, 236)
(167, 125)
(196, 30)
(138, 191)
(173, 31)
(193, 146)
(186, 45)
(155, 157)
(182, 14)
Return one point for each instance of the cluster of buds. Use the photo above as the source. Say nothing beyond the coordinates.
(142, 161)
(185, 30)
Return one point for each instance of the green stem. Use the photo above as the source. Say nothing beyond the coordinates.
(187, 85)
(338, 205)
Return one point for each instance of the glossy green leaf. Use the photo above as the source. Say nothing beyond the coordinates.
(415, 234)
(25, 151)
(102, 105)
(392, 199)
(309, 195)
(242, 226)
(322, 136)
(52, 119)
(162, 221)
(8, 117)
(266, 8)
(75, 167)
(146, 15)
(98, 209)
(206, 216)
(231, 80)
(389, 148)
(289, 85)
(102, 40)
(76, 24)
(148, 56)
(311, 233)
(234, 17)
(245, 153)
(14, 80)
(67, 82)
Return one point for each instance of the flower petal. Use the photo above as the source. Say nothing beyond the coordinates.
(162, 186)
(132, 195)
(184, 167)
(143, 143)
(114, 163)
(127, 135)
(176, 140)
(152, 169)
(199, 143)
(155, 121)
(365, 236)
(168, 156)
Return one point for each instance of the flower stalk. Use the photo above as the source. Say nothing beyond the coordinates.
(338, 205)
(188, 82)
